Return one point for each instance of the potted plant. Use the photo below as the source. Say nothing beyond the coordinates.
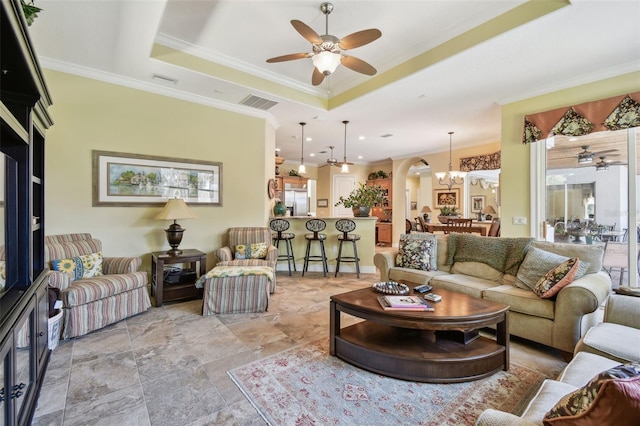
(362, 199)
(446, 212)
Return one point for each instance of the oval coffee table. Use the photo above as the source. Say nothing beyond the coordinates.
(438, 347)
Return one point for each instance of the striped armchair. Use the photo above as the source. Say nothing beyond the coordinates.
(247, 236)
(92, 303)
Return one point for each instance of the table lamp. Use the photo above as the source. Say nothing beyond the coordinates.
(489, 210)
(425, 211)
(175, 209)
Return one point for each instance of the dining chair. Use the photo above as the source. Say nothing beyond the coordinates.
(458, 225)
(494, 230)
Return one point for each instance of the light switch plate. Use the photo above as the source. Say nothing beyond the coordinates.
(519, 220)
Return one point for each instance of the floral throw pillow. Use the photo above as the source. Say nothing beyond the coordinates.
(242, 252)
(612, 397)
(557, 278)
(416, 254)
(258, 250)
(77, 267)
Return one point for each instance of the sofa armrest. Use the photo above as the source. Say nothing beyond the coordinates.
(583, 296)
(491, 417)
(384, 261)
(623, 310)
(272, 254)
(58, 280)
(224, 254)
(120, 265)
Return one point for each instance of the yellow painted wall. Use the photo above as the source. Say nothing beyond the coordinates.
(514, 182)
(93, 115)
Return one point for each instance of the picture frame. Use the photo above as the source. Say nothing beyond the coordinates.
(322, 202)
(477, 203)
(414, 205)
(135, 180)
(447, 197)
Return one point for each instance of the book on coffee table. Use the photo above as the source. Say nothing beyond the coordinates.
(404, 303)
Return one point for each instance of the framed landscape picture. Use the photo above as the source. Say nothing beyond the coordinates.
(477, 203)
(121, 179)
(447, 197)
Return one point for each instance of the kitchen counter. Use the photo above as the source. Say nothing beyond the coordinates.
(365, 227)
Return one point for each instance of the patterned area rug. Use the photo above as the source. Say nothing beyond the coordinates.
(307, 386)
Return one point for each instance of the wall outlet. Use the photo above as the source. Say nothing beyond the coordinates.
(519, 220)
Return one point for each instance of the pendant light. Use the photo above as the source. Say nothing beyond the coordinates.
(302, 168)
(345, 165)
(449, 178)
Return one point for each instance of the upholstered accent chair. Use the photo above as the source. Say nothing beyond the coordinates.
(249, 246)
(96, 291)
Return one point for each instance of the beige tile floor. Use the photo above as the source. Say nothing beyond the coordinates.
(168, 365)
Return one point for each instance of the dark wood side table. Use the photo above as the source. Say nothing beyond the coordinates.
(164, 292)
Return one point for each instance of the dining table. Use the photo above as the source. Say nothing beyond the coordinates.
(476, 229)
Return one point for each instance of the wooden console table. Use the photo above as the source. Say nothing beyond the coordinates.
(479, 229)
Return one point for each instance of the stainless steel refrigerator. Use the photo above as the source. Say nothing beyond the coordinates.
(299, 200)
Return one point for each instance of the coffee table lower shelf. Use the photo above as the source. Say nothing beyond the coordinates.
(418, 355)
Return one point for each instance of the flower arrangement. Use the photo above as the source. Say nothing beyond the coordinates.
(449, 211)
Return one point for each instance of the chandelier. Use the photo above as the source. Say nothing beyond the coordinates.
(451, 177)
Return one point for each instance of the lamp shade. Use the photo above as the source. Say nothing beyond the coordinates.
(426, 209)
(489, 210)
(175, 208)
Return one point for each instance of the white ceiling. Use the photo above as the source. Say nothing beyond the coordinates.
(417, 99)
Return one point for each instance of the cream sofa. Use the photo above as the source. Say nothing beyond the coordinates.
(558, 322)
(613, 339)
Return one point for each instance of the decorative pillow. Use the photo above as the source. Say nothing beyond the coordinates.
(242, 252)
(77, 267)
(612, 397)
(258, 250)
(433, 261)
(416, 254)
(537, 263)
(557, 278)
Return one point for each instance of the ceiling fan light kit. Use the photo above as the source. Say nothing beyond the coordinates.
(328, 49)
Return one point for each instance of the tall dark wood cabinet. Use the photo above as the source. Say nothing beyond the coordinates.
(24, 309)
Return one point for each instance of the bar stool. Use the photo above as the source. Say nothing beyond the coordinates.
(315, 226)
(345, 226)
(279, 226)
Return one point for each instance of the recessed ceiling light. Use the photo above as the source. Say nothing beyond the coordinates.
(312, 155)
(361, 138)
(360, 157)
(308, 139)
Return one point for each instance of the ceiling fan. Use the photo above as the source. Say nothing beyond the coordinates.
(331, 161)
(604, 164)
(328, 49)
(587, 156)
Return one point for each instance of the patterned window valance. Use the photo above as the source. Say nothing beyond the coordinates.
(480, 162)
(618, 112)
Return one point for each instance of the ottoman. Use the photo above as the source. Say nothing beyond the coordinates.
(240, 291)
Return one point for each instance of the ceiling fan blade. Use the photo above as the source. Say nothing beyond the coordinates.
(290, 57)
(358, 65)
(597, 154)
(359, 39)
(306, 32)
(317, 77)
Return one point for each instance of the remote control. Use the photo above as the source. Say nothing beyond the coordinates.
(432, 297)
(425, 288)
